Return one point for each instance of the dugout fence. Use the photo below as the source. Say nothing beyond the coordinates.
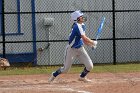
(36, 31)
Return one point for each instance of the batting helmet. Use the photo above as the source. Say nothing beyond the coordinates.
(76, 14)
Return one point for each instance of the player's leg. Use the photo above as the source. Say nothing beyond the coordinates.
(85, 59)
(68, 57)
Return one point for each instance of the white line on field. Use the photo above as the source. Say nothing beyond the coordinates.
(43, 88)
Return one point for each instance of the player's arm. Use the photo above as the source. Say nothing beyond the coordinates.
(88, 41)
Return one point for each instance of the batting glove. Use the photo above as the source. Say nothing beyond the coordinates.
(94, 47)
(95, 43)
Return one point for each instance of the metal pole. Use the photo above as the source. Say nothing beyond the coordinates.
(114, 41)
(3, 29)
(34, 32)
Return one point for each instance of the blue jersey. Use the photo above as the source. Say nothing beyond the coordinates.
(75, 39)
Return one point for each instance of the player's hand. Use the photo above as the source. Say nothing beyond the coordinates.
(94, 47)
(95, 43)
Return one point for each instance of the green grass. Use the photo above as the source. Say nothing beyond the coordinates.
(75, 69)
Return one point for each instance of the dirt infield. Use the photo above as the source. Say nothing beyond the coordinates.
(68, 83)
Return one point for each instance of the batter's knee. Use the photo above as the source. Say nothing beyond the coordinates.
(64, 70)
(89, 67)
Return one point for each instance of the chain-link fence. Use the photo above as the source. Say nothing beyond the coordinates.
(36, 31)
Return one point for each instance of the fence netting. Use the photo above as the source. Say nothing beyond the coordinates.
(36, 31)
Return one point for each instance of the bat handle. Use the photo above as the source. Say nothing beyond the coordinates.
(93, 48)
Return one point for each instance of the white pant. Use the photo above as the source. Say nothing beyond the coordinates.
(71, 54)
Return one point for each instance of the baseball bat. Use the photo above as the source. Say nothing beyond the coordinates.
(100, 28)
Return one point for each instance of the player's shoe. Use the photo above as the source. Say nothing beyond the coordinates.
(84, 79)
(51, 79)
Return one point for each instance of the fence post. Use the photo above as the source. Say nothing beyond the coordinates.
(3, 29)
(114, 38)
(34, 32)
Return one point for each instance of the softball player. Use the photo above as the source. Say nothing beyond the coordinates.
(75, 48)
